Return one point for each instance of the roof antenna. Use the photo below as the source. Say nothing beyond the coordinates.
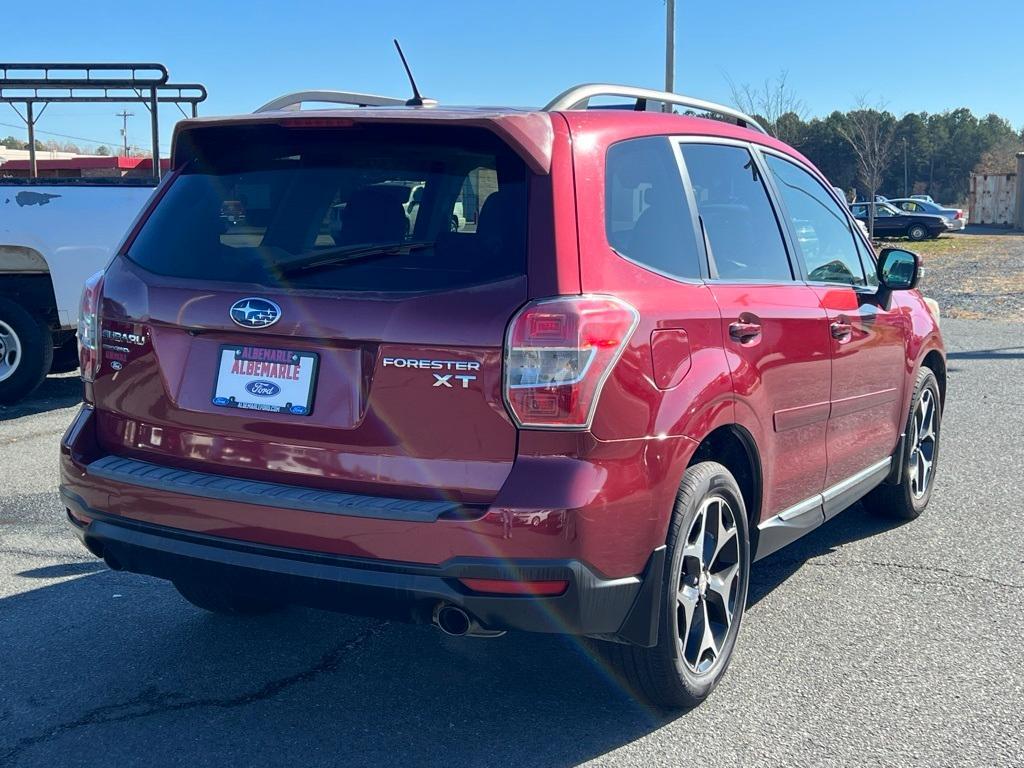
(416, 100)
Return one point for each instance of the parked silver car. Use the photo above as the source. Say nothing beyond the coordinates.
(956, 218)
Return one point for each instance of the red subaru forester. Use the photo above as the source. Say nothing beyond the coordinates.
(563, 370)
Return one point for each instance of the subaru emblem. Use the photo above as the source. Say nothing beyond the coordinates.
(254, 312)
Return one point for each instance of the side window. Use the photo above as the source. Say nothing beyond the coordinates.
(823, 231)
(646, 216)
(744, 239)
(867, 260)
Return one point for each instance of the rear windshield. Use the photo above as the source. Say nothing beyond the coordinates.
(359, 208)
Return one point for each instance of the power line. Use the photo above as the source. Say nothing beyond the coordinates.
(76, 138)
(63, 135)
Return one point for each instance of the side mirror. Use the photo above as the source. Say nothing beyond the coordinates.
(898, 270)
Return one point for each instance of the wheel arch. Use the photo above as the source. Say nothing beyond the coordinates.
(32, 290)
(734, 447)
(934, 361)
(21, 259)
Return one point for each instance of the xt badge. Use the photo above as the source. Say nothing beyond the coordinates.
(456, 380)
(445, 380)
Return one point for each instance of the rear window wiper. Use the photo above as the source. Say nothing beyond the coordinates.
(336, 256)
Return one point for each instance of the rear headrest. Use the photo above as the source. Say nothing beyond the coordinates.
(496, 217)
(373, 215)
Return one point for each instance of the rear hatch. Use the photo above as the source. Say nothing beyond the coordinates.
(322, 306)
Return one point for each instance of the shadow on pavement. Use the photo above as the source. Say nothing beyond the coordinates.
(852, 524)
(988, 229)
(58, 391)
(118, 669)
(121, 661)
(64, 569)
(1000, 353)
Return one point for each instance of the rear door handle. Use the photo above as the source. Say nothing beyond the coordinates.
(744, 332)
(841, 330)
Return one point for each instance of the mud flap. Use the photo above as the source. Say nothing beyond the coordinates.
(640, 627)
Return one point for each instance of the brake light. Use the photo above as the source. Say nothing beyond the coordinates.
(959, 214)
(89, 327)
(318, 122)
(558, 354)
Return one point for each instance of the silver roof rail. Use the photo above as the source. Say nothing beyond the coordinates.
(294, 101)
(579, 96)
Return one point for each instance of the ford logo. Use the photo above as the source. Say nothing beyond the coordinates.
(254, 312)
(262, 388)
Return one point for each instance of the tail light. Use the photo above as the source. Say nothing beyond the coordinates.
(558, 354)
(959, 214)
(89, 327)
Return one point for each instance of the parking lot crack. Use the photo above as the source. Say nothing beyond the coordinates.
(151, 701)
(958, 575)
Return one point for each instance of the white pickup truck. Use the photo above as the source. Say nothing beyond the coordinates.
(52, 237)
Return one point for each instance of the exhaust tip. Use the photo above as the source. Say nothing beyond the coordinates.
(452, 620)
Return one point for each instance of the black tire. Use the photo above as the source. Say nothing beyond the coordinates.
(27, 353)
(65, 357)
(908, 499)
(917, 232)
(225, 598)
(663, 674)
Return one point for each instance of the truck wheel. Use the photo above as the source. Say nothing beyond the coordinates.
(225, 598)
(917, 232)
(703, 594)
(26, 352)
(65, 357)
(920, 455)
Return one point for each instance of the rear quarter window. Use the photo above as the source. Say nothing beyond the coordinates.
(647, 218)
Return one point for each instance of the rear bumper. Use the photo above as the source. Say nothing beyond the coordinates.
(626, 609)
(604, 505)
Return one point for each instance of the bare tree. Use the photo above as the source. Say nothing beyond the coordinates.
(1000, 158)
(871, 131)
(775, 103)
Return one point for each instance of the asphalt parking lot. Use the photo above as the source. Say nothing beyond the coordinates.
(865, 644)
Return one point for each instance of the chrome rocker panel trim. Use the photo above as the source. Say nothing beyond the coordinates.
(802, 518)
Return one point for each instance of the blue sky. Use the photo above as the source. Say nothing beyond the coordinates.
(923, 56)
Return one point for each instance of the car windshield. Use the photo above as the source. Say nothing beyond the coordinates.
(383, 208)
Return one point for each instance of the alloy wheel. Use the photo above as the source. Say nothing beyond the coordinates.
(708, 581)
(923, 441)
(10, 351)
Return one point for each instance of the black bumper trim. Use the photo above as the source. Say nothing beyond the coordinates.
(591, 605)
(221, 487)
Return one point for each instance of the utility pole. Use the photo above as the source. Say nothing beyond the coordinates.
(124, 128)
(30, 121)
(906, 175)
(670, 48)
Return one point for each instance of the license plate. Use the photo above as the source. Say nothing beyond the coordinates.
(266, 379)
